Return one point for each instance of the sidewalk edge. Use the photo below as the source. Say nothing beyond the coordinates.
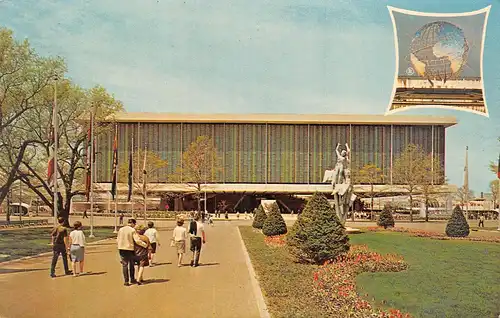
(261, 303)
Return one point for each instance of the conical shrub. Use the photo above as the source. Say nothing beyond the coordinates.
(386, 219)
(259, 218)
(457, 224)
(317, 235)
(274, 223)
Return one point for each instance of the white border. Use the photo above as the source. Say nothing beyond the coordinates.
(396, 45)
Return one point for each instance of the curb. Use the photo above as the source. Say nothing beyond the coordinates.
(43, 254)
(261, 303)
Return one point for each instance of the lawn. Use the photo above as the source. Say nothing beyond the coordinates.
(445, 278)
(19, 243)
(285, 284)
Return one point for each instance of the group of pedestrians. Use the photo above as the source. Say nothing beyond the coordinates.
(137, 246)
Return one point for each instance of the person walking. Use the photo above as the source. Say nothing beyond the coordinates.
(141, 253)
(121, 218)
(85, 216)
(197, 233)
(179, 236)
(126, 238)
(481, 221)
(60, 244)
(154, 240)
(77, 248)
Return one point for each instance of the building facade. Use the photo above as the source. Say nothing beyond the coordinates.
(272, 148)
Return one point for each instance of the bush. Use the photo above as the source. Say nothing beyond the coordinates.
(259, 218)
(274, 223)
(317, 235)
(457, 225)
(386, 220)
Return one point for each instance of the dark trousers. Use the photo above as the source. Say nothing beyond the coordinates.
(127, 258)
(59, 249)
(481, 223)
(196, 249)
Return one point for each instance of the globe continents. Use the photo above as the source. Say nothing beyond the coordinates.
(438, 50)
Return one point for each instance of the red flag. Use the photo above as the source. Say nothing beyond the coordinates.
(498, 167)
(51, 145)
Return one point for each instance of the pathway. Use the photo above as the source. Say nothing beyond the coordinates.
(220, 287)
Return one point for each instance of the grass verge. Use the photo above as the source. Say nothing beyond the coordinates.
(444, 279)
(18, 243)
(287, 286)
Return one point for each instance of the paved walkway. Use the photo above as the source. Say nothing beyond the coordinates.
(220, 287)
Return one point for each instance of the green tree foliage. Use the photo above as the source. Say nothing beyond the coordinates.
(200, 164)
(317, 235)
(370, 174)
(259, 218)
(386, 219)
(274, 223)
(457, 225)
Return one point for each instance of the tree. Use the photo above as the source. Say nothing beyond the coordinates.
(199, 166)
(463, 195)
(154, 163)
(386, 219)
(274, 223)
(259, 218)
(74, 104)
(317, 235)
(416, 171)
(24, 76)
(457, 225)
(370, 174)
(432, 178)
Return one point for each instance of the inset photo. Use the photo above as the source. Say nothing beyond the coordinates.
(439, 60)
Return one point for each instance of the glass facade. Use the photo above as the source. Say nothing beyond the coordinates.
(270, 153)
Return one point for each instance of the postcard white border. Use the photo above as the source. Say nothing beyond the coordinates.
(437, 15)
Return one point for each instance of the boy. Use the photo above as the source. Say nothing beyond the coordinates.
(197, 233)
(154, 239)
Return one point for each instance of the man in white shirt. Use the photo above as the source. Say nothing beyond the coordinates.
(197, 234)
(126, 238)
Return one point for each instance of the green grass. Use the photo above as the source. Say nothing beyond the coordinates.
(285, 284)
(445, 278)
(19, 243)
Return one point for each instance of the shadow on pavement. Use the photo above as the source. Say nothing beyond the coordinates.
(160, 264)
(93, 274)
(155, 281)
(208, 264)
(21, 270)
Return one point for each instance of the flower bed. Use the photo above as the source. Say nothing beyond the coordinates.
(335, 283)
(434, 235)
(276, 241)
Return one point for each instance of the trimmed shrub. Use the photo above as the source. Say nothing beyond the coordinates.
(274, 223)
(457, 225)
(317, 235)
(386, 220)
(259, 218)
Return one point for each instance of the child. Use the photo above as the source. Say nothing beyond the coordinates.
(179, 237)
(154, 239)
(141, 253)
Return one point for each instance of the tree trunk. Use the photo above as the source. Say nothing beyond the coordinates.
(411, 208)
(13, 171)
(426, 211)
(199, 198)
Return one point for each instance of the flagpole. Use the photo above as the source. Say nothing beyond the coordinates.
(145, 184)
(132, 178)
(466, 183)
(115, 170)
(498, 193)
(56, 145)
(92, 169)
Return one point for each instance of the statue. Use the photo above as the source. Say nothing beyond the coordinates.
(340, 178)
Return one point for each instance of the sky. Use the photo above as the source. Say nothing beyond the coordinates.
(472, 26)
(259, 56)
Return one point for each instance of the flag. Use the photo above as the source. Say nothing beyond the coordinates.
(115, 163)
(51, 175)
(130, 170)
(498, 167)
(90, 149)
(144, 172)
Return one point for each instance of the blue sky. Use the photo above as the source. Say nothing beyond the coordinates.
(276, 56)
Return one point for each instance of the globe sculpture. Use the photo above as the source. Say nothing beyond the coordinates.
(439, 51)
